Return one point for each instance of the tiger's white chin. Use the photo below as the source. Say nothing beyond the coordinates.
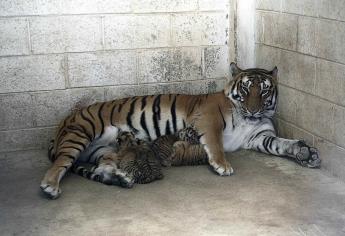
(252, 119)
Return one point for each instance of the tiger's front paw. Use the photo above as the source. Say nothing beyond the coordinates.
(51, 191)
(222, 168)
(308, 156)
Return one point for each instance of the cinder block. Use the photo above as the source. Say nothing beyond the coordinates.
(297, 71)
(140, 31)
(267, 57)
(13, 37)
(112, 93)
(332, 157)
(280, 30)
(332, 10)
(66, 34)
(16, 7)
(164, 6)
(216, 62)
(331, 40)
(26, 139)
(330, 83)
(103, 68)
(192, 87)
(213, 86)
(259, 34)
(214, 29)
(290, 131)
(339, 126)
(294, 69)
(82, 7)
(16, 111)
(301, 7)
(307, 35)
(200, 29)
(272, 5)
(287, 104)
(169, 65)
(186, 29)
(50, 108)
(47, 7)
(96, 6)
(213, 5)
(31, 73)
(315, 115)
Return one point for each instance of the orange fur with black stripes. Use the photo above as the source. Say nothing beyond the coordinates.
(147, 116)
(237, 117)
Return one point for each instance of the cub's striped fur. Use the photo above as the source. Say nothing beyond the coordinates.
(181, 149)
(131, 162)
(188, 152)
(240, 116)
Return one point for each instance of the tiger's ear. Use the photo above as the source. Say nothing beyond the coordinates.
(274, 73)
(235, 70)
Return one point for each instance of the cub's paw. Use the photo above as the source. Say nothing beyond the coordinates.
(223, 169)
(52, 192)
(307, 156)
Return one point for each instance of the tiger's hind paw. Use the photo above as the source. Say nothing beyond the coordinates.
(308, 156)
(50, 191)
(123, 179)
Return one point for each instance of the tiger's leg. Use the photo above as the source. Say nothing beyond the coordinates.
(67, 153)
(110, 173)
(213, 145)
(267, 142)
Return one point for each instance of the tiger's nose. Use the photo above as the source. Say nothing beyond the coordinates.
(253, 111)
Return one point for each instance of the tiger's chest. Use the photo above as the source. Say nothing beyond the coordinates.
(238, 132)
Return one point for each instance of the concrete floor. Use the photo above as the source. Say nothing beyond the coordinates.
(266, 196)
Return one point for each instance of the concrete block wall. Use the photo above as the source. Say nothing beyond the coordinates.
(56, 53)
(305, 39)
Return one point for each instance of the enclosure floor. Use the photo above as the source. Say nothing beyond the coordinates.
(266, 196)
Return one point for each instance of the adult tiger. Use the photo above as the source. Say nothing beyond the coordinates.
(237, 117)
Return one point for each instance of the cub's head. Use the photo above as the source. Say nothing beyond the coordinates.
(126, 139)
(253, 91)
(189, 134)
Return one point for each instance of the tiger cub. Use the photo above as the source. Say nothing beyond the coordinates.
(125, 162)
(184, 148)
(134, 159)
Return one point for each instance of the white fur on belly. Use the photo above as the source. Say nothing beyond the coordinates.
(109, 136)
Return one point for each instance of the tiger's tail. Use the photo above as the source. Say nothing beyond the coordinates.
(86, 172)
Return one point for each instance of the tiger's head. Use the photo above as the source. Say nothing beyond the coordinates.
(253, 92)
